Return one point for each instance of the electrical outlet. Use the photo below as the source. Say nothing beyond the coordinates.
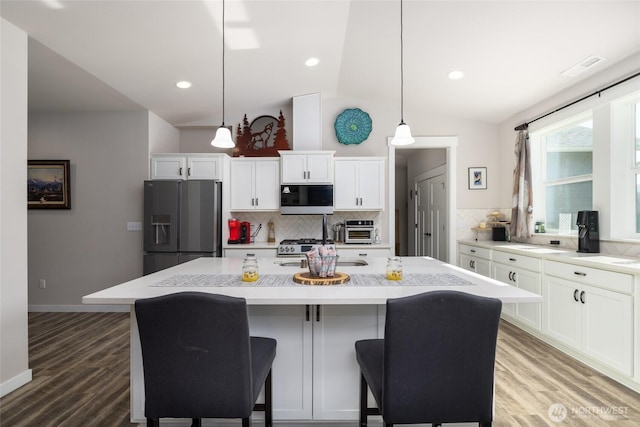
(134, 226)
(43, 283)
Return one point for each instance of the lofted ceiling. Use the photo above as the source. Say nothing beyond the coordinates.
(115, 55)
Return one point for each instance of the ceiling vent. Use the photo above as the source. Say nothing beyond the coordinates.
(582, 66)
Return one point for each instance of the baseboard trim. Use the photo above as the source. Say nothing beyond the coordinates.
(15, 382)
(89, 308)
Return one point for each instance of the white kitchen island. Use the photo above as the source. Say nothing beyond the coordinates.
(315, 374)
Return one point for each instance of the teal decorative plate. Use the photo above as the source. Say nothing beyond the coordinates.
(352, 126)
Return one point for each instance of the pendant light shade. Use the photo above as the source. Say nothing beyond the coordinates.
(403, 135)
(403, 132)
(223, 138)
(223, 134)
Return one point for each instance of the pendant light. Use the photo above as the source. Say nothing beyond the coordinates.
(223, 134)
(403, 132)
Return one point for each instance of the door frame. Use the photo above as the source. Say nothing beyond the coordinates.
(450, 143)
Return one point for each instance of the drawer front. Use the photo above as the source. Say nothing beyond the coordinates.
(521, 261)
(475, 251)
(241, 253)
(363, 252)
(614, 281)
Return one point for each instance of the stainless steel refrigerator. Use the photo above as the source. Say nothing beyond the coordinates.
(182, 221)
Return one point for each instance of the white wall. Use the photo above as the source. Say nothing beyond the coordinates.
(88, 248)
(14, 357)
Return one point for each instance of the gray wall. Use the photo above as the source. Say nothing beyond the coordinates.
(88, 248)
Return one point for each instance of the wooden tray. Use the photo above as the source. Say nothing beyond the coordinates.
(305, 278)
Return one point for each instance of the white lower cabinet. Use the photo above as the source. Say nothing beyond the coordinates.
(315, 373)
(588, 312)
(475, 259)
(524, 273)
(589, 318)
(336, 379)
(292, 367)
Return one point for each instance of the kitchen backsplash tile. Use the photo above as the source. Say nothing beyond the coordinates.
(302, 226)
(310, 226)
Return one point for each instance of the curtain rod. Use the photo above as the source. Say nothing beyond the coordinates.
(525, 125)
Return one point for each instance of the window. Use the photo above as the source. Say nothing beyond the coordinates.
(562, 163)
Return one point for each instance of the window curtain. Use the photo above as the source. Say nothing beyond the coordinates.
(522, 206)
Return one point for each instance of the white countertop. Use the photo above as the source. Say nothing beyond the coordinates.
(610, 262)
(255, 294)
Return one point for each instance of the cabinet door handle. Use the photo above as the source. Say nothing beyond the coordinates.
(356, 201)
(471, 264)
(363, 254)
(360, 201)
(473, 251)
(180, 171)
(256, 201)
(579, 273)
(307, 313)
(252, 201)
(514, 276)
(582, 297)
(575, 295)
(317, 313)
(512, 259)
(188, 171)
(510, 273)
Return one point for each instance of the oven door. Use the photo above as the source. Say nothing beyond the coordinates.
(358, 235)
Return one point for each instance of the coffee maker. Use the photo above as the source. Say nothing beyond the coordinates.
(245, 232)
(234, 231)
(588, 232)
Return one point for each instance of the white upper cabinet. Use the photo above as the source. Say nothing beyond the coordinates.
(255, 184)
(305, 167)
(359, 184)
(176, 166)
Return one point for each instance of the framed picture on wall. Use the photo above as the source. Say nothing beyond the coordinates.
(48, 184)
(477, 178)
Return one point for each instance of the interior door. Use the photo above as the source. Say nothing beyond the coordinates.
(431, 218)
(437, 212)
(423, 231)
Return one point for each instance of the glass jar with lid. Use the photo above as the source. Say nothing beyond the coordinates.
(394, 268)
(250, 269)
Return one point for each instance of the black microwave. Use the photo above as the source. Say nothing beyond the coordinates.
(302, 199)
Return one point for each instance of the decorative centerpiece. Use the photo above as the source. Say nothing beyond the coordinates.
(321, 261)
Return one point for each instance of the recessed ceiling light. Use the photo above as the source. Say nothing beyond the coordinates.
(456, 75)
(183, 84)
(311, 62)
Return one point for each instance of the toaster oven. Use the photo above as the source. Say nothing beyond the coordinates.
(358, 231)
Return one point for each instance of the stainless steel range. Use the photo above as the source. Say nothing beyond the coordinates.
(297, 247)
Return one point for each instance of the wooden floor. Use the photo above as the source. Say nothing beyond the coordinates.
(80, 364)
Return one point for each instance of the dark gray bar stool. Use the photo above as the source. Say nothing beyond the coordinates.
(436, 361)
(199, 360)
